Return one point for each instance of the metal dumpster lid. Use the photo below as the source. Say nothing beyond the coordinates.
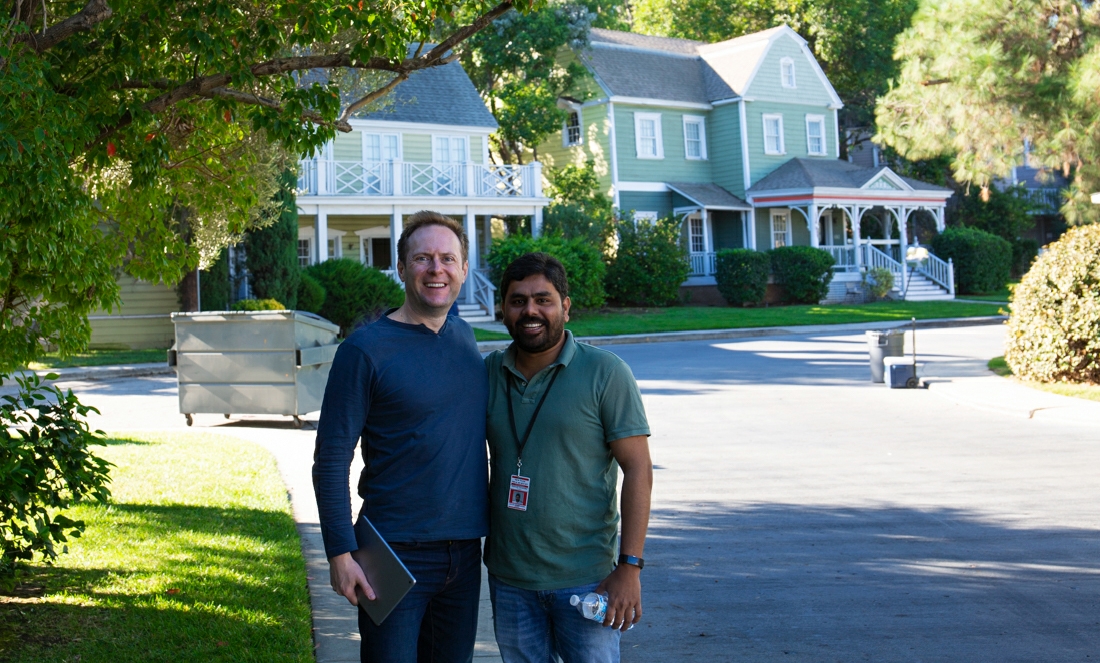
(304, 317)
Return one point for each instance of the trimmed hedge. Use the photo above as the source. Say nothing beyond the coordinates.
(803, 271)
(354, 293)
(311, 294)
(649, 264)
(983, 261)
(742, 276)
(584, 267)
(1054, 326)
(258, 305)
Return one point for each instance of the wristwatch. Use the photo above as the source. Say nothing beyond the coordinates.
(632, 560)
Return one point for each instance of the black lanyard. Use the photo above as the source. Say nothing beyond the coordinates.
(521, 443)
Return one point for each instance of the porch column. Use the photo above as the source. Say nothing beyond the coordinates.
(749, 219)
(903, 230)
(708, 241)
(321, 232)
(814, 219)
(855, 220)
(396, 223)
(536, 223)
(471, 234)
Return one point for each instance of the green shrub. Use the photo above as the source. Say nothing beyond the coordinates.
(1024, 252)
(983, 261)
(649, 264)
(354, 293)
(574, 221)
(311, 294)
(45, 466)
(215, 284)
(1054, 326)
(258, 305)
(272, 252)
(583, 264)
(879, 281)
(742, 276)
(803, 271)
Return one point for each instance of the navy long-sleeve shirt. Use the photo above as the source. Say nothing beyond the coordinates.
(418, 400)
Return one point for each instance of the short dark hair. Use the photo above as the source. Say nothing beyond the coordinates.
(530, 264)
(427, 218)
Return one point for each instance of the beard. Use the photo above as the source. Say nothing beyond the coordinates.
(552, 331)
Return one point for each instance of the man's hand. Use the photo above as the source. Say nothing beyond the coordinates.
(346, 577)
(624, 597)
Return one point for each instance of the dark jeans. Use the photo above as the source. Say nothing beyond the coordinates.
(436, 622)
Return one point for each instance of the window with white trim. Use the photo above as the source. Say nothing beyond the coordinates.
(786, 72)
(695, 234)
(780, 229)
(815, 135)
(695, 137)
(773, 134)
(380, 147)
(647, 136)
(449, 150)
(572, 134)
(305, 253)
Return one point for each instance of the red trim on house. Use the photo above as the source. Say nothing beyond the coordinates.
(810, 199)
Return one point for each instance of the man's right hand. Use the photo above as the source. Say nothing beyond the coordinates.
(346, 576)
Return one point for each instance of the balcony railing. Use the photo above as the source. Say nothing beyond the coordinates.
(702, 264)
(327, 177)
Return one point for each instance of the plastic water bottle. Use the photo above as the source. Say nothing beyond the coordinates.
(593, 606)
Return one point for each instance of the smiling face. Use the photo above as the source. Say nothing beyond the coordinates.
(434, 270)
(535, 314)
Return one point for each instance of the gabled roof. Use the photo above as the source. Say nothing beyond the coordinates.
(709, 196)
(803, 174)
(633, 65)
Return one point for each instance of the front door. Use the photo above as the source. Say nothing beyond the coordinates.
(380, 253)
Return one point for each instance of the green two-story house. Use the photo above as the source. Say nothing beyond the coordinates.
(740, 139)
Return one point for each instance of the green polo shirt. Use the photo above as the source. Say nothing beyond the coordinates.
(566, 537)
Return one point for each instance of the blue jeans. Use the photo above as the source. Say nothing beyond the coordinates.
(436, 622)
(534, 625)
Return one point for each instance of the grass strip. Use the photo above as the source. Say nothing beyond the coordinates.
(613, 322)
(1089, 392)
(99, 358)
(196, 559)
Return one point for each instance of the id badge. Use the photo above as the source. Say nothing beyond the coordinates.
(517, 492)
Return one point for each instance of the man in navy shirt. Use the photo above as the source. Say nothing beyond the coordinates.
(413, 387)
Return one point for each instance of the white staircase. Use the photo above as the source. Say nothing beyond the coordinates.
(474, 313)
(920, 288)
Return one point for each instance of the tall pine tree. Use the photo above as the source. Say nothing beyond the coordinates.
(272, 252)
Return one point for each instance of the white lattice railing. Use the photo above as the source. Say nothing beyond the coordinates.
(483, 290)
(328, 177)
(702, 264)
(844, 257)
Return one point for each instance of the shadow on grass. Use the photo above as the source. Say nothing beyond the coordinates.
(184, 583)
(798, 583)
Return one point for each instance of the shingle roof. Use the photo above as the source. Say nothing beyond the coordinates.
(648, 74)
(799, 174)
(439, 95)
(646, 42)
(708, 195)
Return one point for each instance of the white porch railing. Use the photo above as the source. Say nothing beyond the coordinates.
(703, 264)
(328, 177)
(482, 289)
(874, 258)
(939, 272)
(845, 257)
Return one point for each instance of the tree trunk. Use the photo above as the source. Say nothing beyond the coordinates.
(188, 292)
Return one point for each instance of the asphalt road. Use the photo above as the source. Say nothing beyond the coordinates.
(803, 514)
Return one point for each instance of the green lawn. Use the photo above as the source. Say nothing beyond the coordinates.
(613, 322)
(486, 335)
(195, 559)
(1002, 295)
(1087, 391)
(100, 358)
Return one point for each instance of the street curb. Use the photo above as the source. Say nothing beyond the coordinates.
(108, 372)
(756, 332)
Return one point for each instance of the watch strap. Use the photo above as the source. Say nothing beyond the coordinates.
(632, 560)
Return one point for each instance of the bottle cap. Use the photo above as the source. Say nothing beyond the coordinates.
(574, 600)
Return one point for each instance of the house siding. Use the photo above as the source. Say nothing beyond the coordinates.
(768, 86)
(674, 167)
(596, 146)
(724, 148)
(728, 233)
(137, 298)
(646, 201)
(417, 148)
(794, 135)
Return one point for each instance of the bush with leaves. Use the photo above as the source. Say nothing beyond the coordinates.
(272, 251)
(258, 305)
(803, 271)
(1054, 326)
(46, 466)
(1024, 252)
(649, 265)
(354, 293)
(983, 261)
(879, 281)
(584, 267)
(580, 209)
(311, 294)
(742, 276)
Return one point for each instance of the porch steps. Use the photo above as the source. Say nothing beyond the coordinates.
(921, 289)
(474, 313)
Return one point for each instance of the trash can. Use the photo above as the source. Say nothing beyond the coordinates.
(883, 344)
(255, 362)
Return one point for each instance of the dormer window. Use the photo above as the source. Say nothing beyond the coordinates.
(786, 69)
(572, 133)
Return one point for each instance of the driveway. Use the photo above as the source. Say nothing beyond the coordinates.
(801, 513)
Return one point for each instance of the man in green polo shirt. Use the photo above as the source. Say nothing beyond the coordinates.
(563, 417)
